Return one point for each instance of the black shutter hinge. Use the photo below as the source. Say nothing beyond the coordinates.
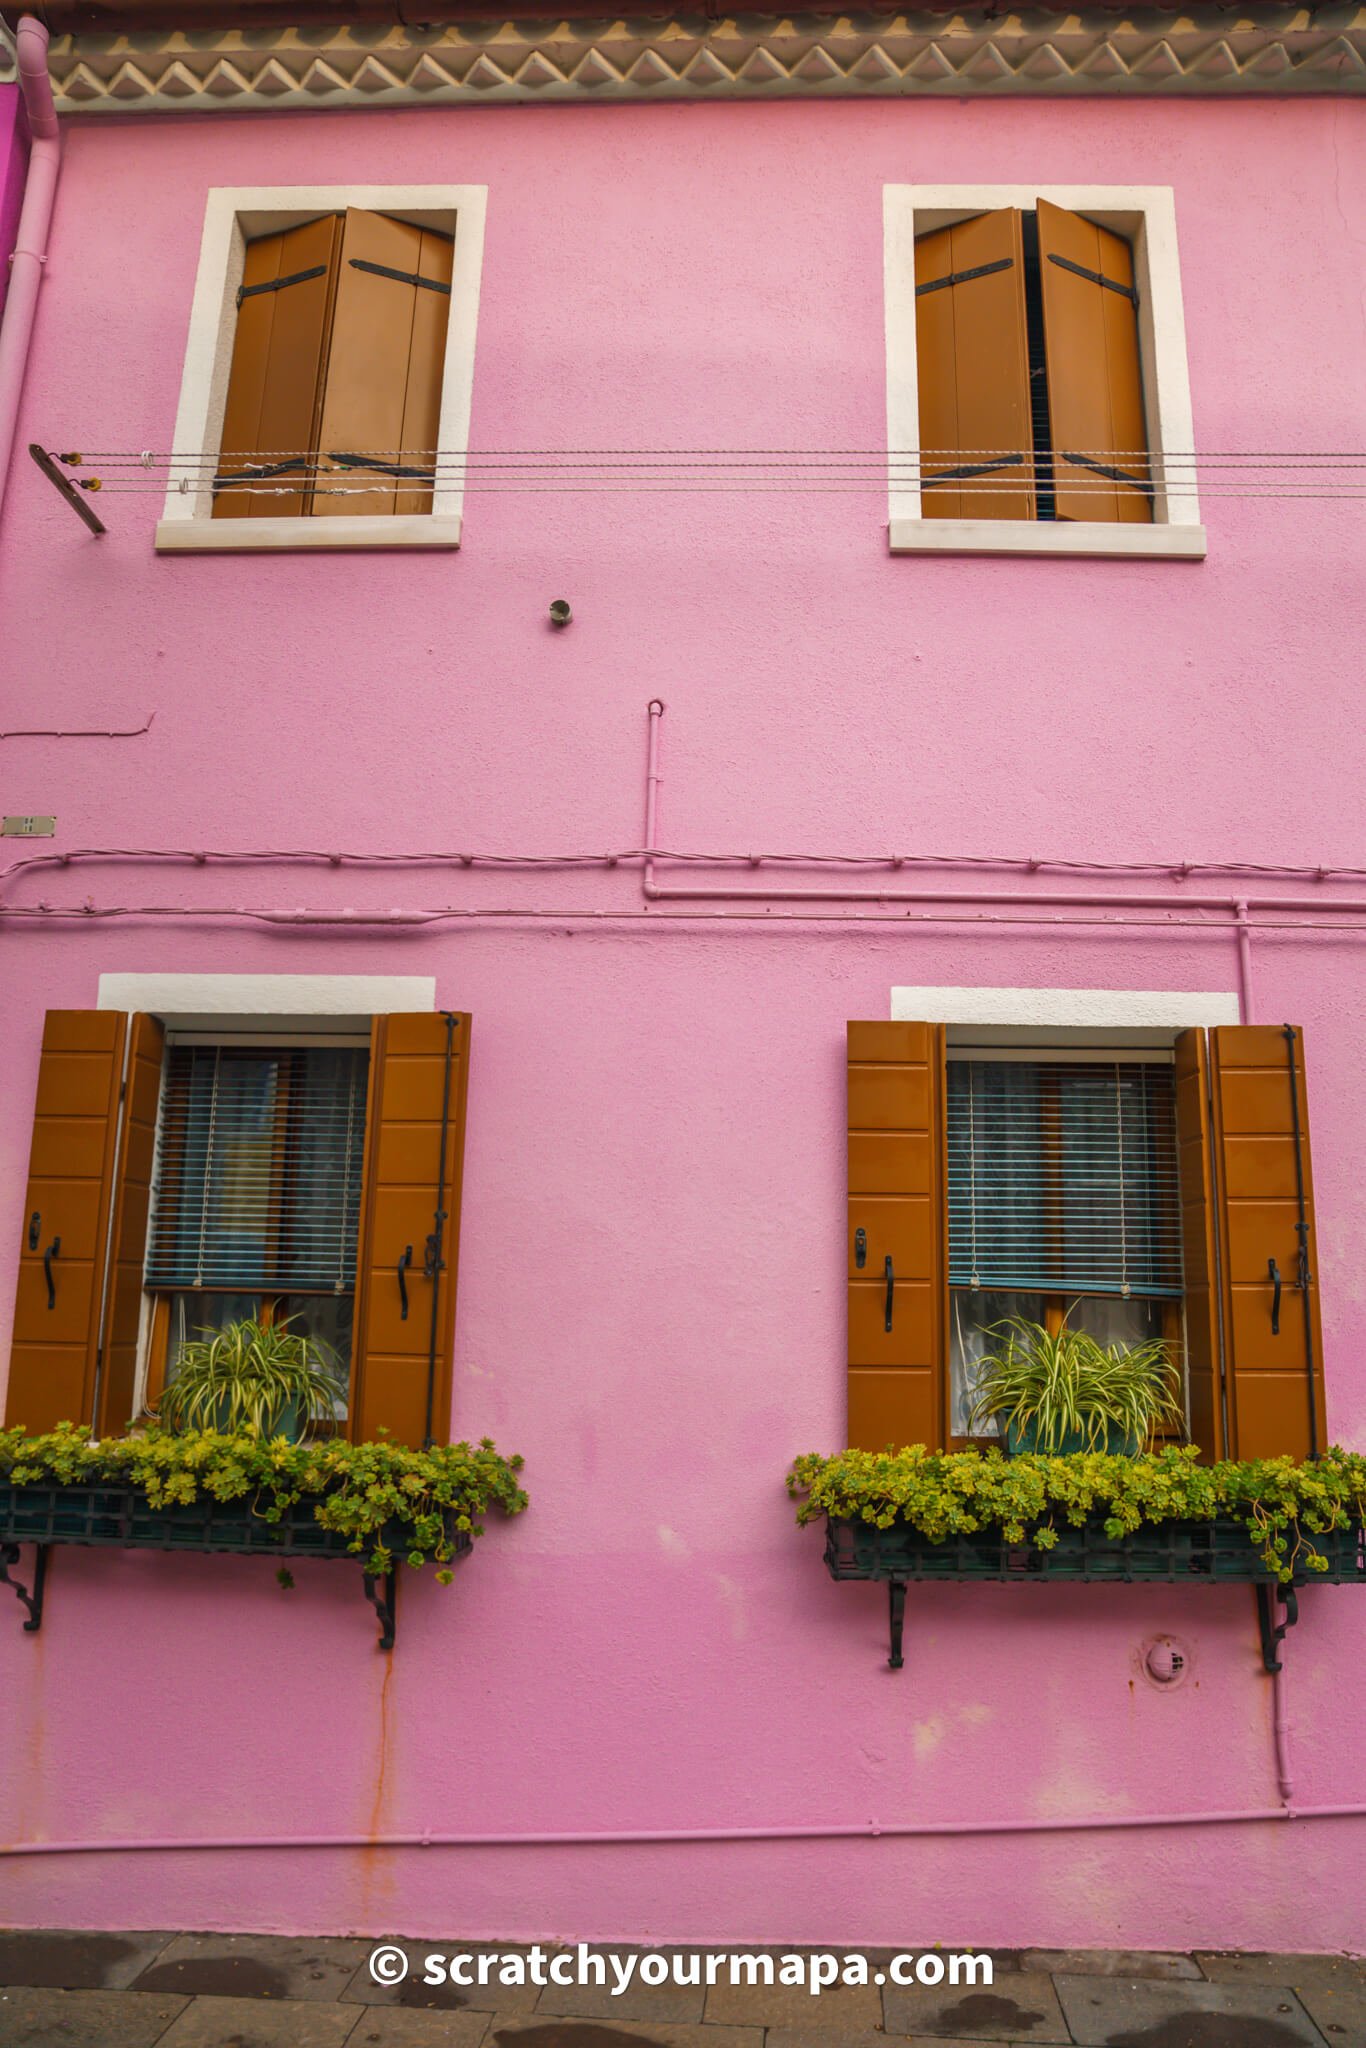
(1119, 476)
(385, 468)
(277, 284)
(941, 284)
(1126, 291)
(429, 284)
(953, 476)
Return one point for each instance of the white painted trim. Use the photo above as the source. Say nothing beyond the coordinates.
(234, 213)
(267, 995)
(1079, 1009)
(1045, 537)
(204, 536)
(1146, 214)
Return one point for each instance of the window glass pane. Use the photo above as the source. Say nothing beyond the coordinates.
(972, 1313)
(328, 1318)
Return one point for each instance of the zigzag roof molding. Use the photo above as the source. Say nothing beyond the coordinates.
(1207, 51)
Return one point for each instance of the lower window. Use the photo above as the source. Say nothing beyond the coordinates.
(1063, 1205)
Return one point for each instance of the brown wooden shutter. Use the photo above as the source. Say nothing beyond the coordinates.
(897, 1201)
(66, 1215)
(410, 1080)
(1204, 1337)
(1275, 1377)
(128, 1237)
(384, 364)
(1095, 387)
(972, 354)
(275, 382)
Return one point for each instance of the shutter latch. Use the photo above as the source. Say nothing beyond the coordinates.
(860, 1248)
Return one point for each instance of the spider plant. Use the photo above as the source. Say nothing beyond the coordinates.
(1063, 1390)
(250, 1378)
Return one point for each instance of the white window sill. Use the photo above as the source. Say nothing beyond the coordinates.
(1044, 537)
(284, 536)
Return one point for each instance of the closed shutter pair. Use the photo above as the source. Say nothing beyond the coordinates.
(336, 370)
(1029, 388)
(78, 1310)
(1253, 1342)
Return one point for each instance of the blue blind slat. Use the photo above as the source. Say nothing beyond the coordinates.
(1063, 1177)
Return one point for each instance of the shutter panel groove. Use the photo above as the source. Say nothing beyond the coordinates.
(408, 1085)
(1095, 385)
(896, 1202)
(972, 355)
(71, 1165)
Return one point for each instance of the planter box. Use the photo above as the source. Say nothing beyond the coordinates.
(120, 1517)
(1173, 1553)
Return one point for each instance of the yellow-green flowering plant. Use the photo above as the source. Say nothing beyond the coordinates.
(366, 1492)
(1028, 1499)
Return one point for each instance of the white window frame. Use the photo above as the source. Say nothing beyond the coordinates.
(1146, 216)
(235, 214)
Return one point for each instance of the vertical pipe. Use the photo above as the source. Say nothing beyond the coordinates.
(35, 220)
(1244, 959)
(1280, 1714)
(653, 779)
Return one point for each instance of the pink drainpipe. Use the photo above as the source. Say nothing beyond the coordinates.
(35, 220)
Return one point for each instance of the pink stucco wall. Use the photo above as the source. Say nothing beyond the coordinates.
(652, 1293)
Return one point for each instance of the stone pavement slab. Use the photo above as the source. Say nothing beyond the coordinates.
(669, 2004)
(74, 1960)
(1109, 2012)
(1108, 1962)
(382, 2026)
(520, 2032)
(1227, 1966)
(255, 1966)
(840, 2009)
(34, 2017)
(1338, 2011)
(415, 1994)
(1021, 2006)
(260, 2023)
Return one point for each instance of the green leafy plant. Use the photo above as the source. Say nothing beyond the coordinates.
(1027, 1500)
(1062, 1390)
(384, 1498)
(251, 1377)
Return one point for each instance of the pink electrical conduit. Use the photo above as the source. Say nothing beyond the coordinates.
(35, 220)
(635, 1837)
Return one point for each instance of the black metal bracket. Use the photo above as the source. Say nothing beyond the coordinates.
(860, 1248)
(1118, 476)
(940, 284)
(9, 1554)
(430, 284)
(66, 487)
(1273, 1632)
(279, 284)
(382, 1593)
(1112, 284)
(896, 1595)
(346, 461)
(950, 476)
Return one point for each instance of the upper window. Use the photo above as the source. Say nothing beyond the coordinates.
(326, 393)
(334, 394)
(1037, 396)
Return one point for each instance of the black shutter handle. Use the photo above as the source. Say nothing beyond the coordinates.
(891, 1285)
(49, 1255)
(35, 1226)
(405, 1261)
(1273, 1274)
(860, 1248)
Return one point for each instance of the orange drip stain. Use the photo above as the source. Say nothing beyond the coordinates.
(375, 1864)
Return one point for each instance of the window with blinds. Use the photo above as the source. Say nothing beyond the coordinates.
(1062, 1178)
(259, 1171)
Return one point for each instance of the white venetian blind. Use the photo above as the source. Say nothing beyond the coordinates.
(1063, 1177)
(259, 1172)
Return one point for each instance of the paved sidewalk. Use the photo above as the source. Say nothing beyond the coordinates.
(262, 1991)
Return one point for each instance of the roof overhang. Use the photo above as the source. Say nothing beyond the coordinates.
(194, 56)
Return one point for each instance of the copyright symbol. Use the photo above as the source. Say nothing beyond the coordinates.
(388, 1965)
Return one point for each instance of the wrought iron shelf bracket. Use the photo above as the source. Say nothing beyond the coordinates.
(31, 1598)
(1272, 1631)
(382, 1592)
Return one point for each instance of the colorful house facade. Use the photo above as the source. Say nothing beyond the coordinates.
(663, 697)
